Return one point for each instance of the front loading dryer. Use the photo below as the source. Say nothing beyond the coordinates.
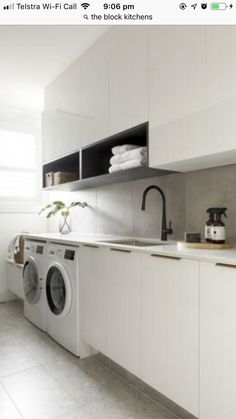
(62, 295)
(34, 283)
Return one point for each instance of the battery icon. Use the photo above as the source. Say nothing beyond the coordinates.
(218, 6)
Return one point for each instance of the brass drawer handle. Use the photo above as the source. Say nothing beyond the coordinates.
(93, 246)
(226, 265)
(166, 257)
(114, 249)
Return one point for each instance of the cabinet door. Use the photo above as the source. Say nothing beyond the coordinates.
(48, 136)
(60, 134)
(67, 133)
(128, 74)
(218, 341)
(91, 88)
(170, 328)
(79, 98)
(93, 297)
(177, 95)
(123, 309)
(221, 91)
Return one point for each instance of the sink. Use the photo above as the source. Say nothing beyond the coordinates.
(132, 242)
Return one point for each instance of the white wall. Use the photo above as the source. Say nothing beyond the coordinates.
(18, 216)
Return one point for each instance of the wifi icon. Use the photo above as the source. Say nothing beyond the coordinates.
(85, 5)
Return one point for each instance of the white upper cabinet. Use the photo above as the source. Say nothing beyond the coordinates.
(217, 341)
(79, 100)
(128, 77)
(221, 92)
(192, 96)
(180, 78)
(67, 133)
(221, 63)
(48, 136)
(91, 86)
(170, 328)
(177, 95)
(60, 134)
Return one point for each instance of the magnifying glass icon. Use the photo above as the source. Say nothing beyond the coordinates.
(86, 17)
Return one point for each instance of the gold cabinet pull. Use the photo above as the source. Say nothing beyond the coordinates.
(165, 257)
(115, 249)
(93, 246)
(226, 265)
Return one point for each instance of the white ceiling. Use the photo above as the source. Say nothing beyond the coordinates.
(33, 56)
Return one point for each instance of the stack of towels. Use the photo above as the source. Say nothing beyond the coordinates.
(127, 156)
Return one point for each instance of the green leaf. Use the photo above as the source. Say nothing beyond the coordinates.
(59, 204)
(50, 213)
(44, 208)
(78, 204)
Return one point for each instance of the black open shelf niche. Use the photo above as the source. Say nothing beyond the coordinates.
(95, 162)
(96, 157)
(69, 163)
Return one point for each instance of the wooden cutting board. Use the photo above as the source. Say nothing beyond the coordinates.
(203, 245)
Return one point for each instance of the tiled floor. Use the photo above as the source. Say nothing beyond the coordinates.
(40, 380)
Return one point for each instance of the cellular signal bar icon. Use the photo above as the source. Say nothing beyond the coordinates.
(8, 7)
(85, 5)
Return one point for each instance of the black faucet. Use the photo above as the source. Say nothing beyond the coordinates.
(164, 229)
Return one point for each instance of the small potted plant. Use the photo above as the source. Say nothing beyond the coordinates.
(59, 207)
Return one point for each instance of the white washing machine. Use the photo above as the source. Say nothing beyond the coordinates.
(62, 294)
(34, 283)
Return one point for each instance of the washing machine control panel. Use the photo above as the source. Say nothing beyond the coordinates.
(39, 249)
(29, 247)
(34, 248)
(59, 253)
(51, 252)
(69, 254)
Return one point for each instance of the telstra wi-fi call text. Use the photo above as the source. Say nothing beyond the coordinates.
(45, 6)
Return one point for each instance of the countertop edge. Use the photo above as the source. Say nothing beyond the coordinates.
(227, 256)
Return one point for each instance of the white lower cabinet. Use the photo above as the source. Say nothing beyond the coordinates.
(217, 341)
(110, 304)
(142, 311)
(170, 328)
(123, 309)
(93, 297)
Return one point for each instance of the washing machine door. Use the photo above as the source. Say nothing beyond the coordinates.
(58, 290)
(31, 281)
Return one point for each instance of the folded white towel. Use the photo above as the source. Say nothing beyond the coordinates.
(119, 149)
(137, 153)
(126, 165)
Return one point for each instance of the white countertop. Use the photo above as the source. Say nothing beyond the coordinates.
(227, 256)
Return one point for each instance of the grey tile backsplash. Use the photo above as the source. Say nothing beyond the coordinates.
(209, 188)
(116, 209)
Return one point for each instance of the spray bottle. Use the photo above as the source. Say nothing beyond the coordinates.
(218, 227)
(209, 225)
